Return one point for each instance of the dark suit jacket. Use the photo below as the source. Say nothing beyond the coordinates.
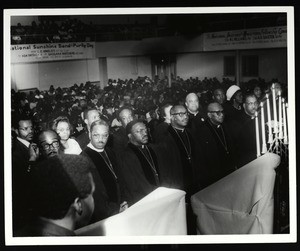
(20, 184)
(180, 172)
(109, 191)
(160, 131)
(138, 175)
(83, 139)
(195, 122)
(244, 136)
(119, 140)
(215, 162)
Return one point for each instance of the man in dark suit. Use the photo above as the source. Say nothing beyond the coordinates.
(89, 115)
(195, 113)
(181, 155)
(120, 140)
(139, 166)
(110, 192)
(217, 158)
(243, 131)
(23, 153)
(162, 128)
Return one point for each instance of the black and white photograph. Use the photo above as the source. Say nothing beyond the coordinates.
(149, 125)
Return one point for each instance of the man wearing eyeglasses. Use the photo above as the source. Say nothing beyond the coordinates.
(217, 150)
(181, 156)
(49, 144)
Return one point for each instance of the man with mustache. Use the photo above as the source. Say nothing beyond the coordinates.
(180, 152)
(24, 151)
(139, 163)
(109, 193)
(49, 144)
(217, 155)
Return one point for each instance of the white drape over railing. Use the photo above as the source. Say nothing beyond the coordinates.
(161, 212)
(240, 203)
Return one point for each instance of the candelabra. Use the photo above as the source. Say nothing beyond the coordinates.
(277, 127)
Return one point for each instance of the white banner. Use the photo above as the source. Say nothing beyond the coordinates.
(268, 37)
(49, 52)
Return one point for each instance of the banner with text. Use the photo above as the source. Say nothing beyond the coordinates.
(268, 37)
(50, 52)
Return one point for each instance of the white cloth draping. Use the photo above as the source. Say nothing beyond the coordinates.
(240, 203)
(162, 212)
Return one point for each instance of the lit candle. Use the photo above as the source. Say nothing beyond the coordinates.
(257, 136)
(274, 109)
(280, 136)
(263, 129)
(270, 140)
(285, 137)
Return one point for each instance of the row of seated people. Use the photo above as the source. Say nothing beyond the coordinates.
(189, 150)
(142, 94)
(74, 30)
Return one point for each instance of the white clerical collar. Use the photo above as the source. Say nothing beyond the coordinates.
(178, 129)
(194, 113)
(94, 148)
(25, 142)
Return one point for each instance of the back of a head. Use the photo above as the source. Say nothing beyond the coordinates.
(58, 181)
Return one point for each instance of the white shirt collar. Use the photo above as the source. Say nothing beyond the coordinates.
(25, 142)
(194, 113)
(94, 148)
(178, 129)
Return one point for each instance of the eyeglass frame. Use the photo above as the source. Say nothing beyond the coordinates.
(181, 114)
(46, 146)
(218, 113)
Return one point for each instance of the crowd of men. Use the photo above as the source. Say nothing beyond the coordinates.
(124, 141)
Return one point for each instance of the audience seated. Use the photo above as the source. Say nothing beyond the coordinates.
(185, 149)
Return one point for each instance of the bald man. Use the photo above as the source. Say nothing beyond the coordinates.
(49, 144)
(195, 112)
(217, 151)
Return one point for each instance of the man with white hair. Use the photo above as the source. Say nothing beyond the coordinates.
(194, 110)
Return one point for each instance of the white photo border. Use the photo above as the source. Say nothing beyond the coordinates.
(199, 239)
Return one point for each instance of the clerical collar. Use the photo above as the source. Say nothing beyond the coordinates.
(23, 141)
(94, 148)
(194, 113)
(178, 129)
(217, 126)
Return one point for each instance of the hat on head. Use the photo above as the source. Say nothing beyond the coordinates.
(231, 91)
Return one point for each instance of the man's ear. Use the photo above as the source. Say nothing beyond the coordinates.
(16, 131)
(129, 136)
(78, 206)
(244, 105)
(90, 135)
(86, 121)
(209, 115)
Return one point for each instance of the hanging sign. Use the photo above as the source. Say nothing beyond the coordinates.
(267, 37)
(50, 52)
